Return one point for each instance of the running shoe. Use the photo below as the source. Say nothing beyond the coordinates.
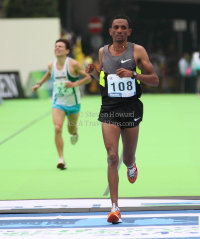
(114, 216)
(132, 173)
(61, 164)
(74, 138)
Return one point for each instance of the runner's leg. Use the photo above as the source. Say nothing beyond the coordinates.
(72, 123)
(111, 134)
(58, 119)
(129, 140)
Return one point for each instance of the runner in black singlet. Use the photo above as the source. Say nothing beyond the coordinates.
(121, 110)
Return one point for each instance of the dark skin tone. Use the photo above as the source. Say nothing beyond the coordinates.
(119, 32)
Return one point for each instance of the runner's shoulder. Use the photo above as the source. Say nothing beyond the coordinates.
(101, 53)
(140, 52)
(73, 63)
(138, 48)
(101, 50)
(50, 66)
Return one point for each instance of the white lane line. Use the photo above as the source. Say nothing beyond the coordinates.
(101, 216)
(90, 203)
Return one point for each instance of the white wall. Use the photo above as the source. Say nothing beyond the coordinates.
(27, 44)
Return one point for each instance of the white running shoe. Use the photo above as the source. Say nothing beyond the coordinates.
(74, 138)
(61, 164)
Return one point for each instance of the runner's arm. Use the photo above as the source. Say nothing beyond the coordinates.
(142, 58)
(45, 78)
(79, 69)
(91, 68)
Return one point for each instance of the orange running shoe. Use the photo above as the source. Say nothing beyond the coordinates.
(114, 216)
(132, 173)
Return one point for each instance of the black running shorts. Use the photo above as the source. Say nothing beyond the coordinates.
(125, 116)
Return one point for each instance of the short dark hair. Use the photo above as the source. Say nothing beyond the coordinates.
(67, 44)
(121, 16)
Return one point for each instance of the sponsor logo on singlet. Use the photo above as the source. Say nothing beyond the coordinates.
(123, 61)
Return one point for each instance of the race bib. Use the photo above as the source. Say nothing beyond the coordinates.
(120, 87)
(61, 90)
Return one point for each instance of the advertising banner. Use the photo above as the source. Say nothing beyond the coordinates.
(45, 91)
(10, 85)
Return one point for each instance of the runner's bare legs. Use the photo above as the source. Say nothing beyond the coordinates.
(72, 123)
(111, 134)
(129, 140)
(58, 119)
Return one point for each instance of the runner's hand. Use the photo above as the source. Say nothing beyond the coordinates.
(70, 84)
(35, 88)
(121, 72)
(91, 69)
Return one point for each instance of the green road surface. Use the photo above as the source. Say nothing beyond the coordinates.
(168, 156)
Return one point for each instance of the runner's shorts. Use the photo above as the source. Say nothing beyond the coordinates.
(125, 116)
(67, 109)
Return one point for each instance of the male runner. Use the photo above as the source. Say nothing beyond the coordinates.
(66, 95)
(121, 110)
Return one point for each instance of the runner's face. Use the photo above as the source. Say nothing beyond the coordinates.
(60, 49)
(120, 30)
